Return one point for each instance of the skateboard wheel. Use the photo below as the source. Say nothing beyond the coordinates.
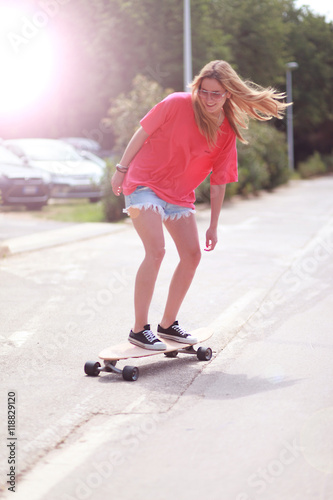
(172, 354)
(91, 368)
(130, 373)
(204, 354)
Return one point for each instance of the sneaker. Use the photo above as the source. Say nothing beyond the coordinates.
(146, 339)
(176, 333)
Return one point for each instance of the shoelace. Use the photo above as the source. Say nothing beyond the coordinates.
(150, 336)
(180, 330)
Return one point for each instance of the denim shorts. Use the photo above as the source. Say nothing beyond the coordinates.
(143, 198)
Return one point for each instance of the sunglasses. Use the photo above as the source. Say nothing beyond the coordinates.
(215, 96)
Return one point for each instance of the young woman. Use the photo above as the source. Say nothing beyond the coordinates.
(179, 143)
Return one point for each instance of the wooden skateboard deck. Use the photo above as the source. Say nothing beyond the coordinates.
(126, 350)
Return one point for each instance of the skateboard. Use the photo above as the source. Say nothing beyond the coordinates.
(111, 355)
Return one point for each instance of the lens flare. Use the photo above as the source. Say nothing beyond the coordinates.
(28, 56)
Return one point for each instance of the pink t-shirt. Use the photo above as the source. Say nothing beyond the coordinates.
(176, 157)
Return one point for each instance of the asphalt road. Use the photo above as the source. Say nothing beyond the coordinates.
(256, 422)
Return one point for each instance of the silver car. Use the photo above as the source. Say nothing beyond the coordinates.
(73, 176)
(21, 185)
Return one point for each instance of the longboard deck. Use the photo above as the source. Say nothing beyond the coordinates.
(127, 350)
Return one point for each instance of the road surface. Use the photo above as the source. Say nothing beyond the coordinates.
(256, 422)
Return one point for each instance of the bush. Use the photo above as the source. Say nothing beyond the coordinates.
(328, 160)
(313, 166)
(263, 163)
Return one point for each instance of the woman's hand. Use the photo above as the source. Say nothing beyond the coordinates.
(116, 182)
(217, 193)
(211, 239)
(134, 145)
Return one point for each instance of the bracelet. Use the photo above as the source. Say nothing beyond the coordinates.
(121, 169)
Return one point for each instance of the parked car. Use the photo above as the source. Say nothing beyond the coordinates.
(73, 176)
(21, 185)
(84, 144)
(96, 159)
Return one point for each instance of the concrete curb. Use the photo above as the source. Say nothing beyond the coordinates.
(55, 237)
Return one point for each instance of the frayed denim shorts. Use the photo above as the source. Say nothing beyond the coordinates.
(144, 198)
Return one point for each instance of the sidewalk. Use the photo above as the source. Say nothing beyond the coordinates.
(32, 234)
(38, 237)
(21, 232)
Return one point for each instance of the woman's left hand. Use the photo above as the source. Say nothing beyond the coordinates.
(116, 182)
(211, 239)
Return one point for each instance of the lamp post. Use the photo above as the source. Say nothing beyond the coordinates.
(187, 45)
(290, 133)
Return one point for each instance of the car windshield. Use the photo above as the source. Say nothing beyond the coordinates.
(49, 150)
(7, 156)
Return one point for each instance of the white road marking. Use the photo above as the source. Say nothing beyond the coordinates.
(53, 469)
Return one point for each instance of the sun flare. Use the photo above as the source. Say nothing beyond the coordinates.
(28, 58)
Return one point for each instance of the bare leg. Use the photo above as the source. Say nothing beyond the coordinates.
(184, 232)
(148, 225)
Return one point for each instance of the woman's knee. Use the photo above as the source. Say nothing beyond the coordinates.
(193, 257)
(156, 255)
(197, 256)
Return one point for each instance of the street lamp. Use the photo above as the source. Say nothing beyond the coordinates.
(187, 45)
(290, 133)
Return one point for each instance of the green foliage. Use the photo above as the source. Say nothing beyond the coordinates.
(127, 109)
(312, 167)
(263, 162)
(256, 37)
(328, 160)
(310, 42)
(210, 40)
(72, 211)
(148, 39)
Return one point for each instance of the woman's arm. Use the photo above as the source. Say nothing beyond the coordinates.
(217, 193)
(133, 147)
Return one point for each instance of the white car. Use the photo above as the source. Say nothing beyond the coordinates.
(73, 176)
(22, 185)
(85, 145)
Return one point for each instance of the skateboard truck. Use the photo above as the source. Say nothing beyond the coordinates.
(202, 353)
(94, 368)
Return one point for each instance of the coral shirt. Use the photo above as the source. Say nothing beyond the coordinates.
(176, 157)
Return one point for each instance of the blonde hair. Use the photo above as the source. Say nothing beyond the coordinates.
(247, 100)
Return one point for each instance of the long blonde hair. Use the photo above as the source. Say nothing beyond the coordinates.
(247, 100)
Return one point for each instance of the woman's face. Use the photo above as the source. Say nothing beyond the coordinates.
(212, 95)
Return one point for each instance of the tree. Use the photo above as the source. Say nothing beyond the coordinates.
(209, 39)
(256, 37)
(311, 42)
(148, 40)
